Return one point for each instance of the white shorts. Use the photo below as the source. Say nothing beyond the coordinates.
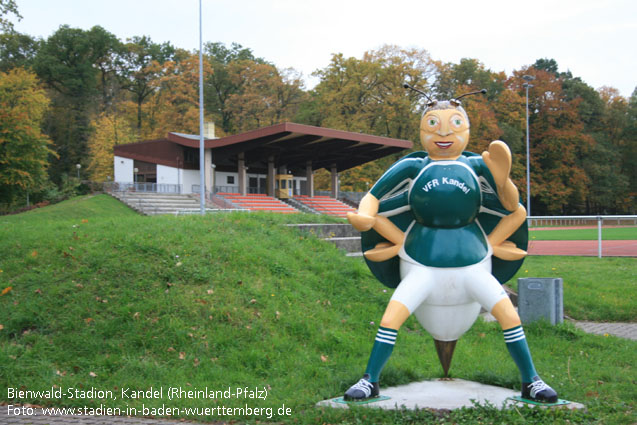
(448, 286)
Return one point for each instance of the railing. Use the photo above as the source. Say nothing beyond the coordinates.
(223, 189)
(215, 199)
(142, 187)
(565, 220)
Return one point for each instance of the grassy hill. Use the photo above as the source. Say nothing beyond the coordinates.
(96, 296)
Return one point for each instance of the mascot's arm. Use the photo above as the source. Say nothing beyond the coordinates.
(502, 248)
(367, 218)
(498, 159)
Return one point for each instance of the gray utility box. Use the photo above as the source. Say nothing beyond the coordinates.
(541, 298)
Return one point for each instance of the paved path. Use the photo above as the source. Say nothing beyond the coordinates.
(583, 248)
(619, 329)
(622, 330)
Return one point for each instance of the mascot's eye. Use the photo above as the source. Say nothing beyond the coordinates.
(432, 122)
(457, 121)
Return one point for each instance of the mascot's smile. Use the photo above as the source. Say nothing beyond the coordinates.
(444, 145)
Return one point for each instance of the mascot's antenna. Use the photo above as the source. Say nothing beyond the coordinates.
(456, 101)
(431, 102)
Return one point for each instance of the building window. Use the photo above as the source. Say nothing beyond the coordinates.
(191, 156)
(230, 180)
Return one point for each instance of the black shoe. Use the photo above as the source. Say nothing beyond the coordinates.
(362, 390)
(538, 391)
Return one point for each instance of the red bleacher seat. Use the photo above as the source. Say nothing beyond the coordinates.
(258, 202)
(326, 205)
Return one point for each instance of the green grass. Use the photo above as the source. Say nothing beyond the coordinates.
(104, 298)
(609, 233)
(597, 289)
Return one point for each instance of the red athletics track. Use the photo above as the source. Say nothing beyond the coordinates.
(583, 248)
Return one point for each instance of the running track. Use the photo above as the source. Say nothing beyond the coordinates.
(583, 248)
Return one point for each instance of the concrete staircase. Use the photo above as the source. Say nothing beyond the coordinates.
(344, 236)
(150, 203)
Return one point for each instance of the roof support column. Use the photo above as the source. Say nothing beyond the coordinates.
(208, 171)
(270, 181)
(241, 167)
(334, 179)
(309, 175)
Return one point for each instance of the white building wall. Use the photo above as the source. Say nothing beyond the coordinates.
(189, 178)
(167, 175)
(123, 170)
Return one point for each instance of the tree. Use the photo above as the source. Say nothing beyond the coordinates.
(24, 150)
(17, 50)
(264, 96)
(110, 129)
(174, 106)
(223, 83)
(138, 70)
(559, 182)
(6, 7)
(73, 63)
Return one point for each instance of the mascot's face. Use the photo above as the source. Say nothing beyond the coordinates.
(444, 133)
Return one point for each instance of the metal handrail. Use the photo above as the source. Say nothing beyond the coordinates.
(141, 187)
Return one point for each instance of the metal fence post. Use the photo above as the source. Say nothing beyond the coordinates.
(599, 236)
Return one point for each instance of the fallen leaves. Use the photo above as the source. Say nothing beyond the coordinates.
(6, 290)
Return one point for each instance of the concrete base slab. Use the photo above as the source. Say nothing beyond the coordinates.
(446, 394)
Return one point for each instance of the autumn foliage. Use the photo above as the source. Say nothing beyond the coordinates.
(101, 92)
(24, 150)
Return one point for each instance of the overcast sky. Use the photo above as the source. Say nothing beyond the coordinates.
(594, 39)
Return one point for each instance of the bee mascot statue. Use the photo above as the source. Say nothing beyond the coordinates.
(445, 227)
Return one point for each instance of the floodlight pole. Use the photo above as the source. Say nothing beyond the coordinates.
(202, 183)
(526, 85)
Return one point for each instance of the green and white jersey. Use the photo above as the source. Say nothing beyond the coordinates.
(445, 208)
(444, 198)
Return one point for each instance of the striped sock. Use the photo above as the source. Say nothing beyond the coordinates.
(519, 350)
(381, 351)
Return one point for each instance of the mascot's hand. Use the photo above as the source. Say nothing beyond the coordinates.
(508, 251)
(361, 222)
(498, 159)
(382, 251)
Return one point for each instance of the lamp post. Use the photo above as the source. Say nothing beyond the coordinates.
(202, 183)
(78, 166)
(135, 171)
(526, 85)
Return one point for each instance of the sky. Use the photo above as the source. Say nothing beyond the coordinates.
(593, 39)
